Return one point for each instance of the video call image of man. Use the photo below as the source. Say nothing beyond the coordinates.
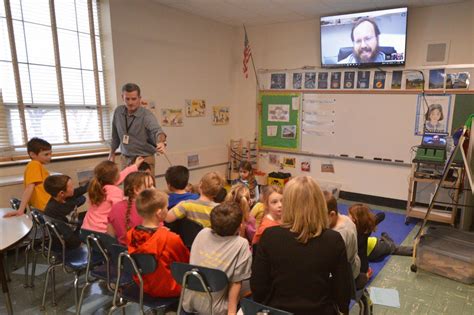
(365, 40)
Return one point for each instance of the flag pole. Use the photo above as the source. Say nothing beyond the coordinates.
(253, 64)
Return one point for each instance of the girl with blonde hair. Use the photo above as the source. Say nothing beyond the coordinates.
(273, 208)
(241, 195)
(301, 266)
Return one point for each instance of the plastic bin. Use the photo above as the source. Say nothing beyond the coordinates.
(447, 252)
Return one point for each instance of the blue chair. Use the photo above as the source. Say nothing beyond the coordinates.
(250, 307)
(71, 260)
(197, 278)
(138, 265)
(99, 245)
(187, 229)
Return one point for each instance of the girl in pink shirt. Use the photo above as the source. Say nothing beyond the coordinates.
(124, 215)
(104, 193)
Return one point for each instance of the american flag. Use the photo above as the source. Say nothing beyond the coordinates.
(247, 55)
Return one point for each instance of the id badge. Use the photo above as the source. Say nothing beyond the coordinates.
(125, 139)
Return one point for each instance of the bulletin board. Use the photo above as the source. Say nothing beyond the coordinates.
(279, 123)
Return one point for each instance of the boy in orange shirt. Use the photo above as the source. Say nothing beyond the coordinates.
(34, 194)
(152, 238)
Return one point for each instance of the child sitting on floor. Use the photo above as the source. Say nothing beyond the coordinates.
(273, 205)
(200, 209)
(124, 215)
(104, 193)
(241, 195)
(152, 238)
(177, 178)
(220, 247)
(247, 177)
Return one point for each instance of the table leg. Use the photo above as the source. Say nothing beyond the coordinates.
(3, 279)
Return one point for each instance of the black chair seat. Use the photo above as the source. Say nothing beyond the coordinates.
(250, 307)
(77, 258)
(100, 272)
(132, 293)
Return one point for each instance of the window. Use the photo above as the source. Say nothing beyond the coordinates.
(51, 74)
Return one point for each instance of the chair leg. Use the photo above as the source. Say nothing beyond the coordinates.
(46, 280)
(17, 251)
(81, 298)
(27, 255)
(33, 270)
(76, 289)
(53, 283)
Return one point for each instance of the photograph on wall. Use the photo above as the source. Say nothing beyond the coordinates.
(363, 79)
(397, 80)
(327, 168)
(273, 159)
(272, 131)
(434, 114)
(379, 80)
(306, 166)
(278, 113)
(278, 81)
(310, 80)
(349, 77)
(195, 108)
(297, 81)
(193, 160)
(172, 117)
(335, 80)
(289, 162)
(288, 132)
(414, 81)
(458, 80)
(220, 115)
(322, 80)
(436, 80)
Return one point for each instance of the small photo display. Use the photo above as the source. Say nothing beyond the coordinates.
(220, 115)
(297, 81)
(278, 113)
(172, 117)
(379, 80)
(272, 131)
(195, 108)
(306, 166)
(335, 80)
(288, 132)
(436, 79)
(273, 159)
(414, 81)
(278, 81)
(310, 80)
(349, 78)
(193, 160)
(289, 162)
(397, 80)
(458, 80)
(322, 80)
(363, 79)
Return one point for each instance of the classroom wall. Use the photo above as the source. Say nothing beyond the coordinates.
(296, 44)
(173, 56)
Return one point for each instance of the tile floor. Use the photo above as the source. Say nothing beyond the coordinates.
(420, 293)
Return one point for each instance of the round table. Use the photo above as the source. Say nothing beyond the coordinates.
(12, 231)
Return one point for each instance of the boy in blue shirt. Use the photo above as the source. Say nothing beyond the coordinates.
(177, 178)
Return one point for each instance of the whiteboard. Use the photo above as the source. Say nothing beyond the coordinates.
(365, 126)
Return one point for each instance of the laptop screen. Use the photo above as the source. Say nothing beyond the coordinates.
(434, 140)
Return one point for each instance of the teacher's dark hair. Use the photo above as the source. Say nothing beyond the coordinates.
(376, 28)
(131, 87)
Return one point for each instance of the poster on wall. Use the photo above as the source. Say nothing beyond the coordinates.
(193, 160)
(273, 159)
(297, 81)
(349, 77)
(436, 80)
(278, 113)
(434, 115)
(288, 132)
(220, 115)
(310, 80)
(272, 131)
(278, 81)
(195, 108)
(458, 80)
(379, 80)
(322, 80)
(414, 81)
(363, 79)
(306, 166)
(397, 80)
(289, 162)
(335, 80)
(172, 117)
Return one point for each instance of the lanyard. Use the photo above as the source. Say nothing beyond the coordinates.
(127, 126)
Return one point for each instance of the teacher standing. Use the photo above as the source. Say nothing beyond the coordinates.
(135, 130)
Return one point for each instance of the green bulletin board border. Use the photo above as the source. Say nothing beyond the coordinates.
(277, 142)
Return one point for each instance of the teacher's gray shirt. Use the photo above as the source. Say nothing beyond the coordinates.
(142, 132)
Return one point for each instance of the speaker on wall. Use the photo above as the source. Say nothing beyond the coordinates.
(437, 53)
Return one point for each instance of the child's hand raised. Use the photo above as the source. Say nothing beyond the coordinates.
(139, 160)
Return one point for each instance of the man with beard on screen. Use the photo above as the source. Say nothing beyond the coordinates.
(365, 39)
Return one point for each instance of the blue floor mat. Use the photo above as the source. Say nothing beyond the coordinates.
(394, 225)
